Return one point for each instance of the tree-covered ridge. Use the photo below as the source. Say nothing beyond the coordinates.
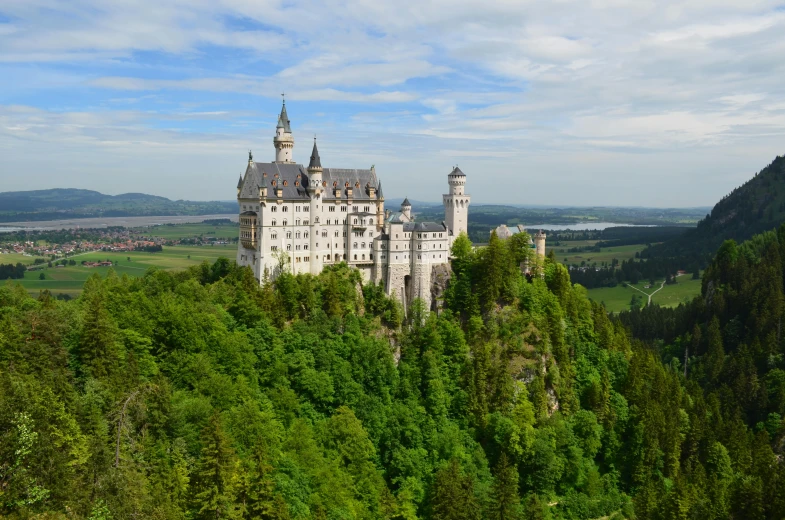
(66, 203)
(199, 394)
(754, 207)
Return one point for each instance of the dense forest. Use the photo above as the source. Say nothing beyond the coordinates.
(756, 206)
(12, 271)
(199, 394)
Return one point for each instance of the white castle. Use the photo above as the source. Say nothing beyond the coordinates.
(303, 218)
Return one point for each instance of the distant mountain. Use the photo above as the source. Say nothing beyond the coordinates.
(758, 205)
(64, 203)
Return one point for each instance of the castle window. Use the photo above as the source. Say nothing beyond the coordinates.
(273, 222)
(305, 247)
(297, 235)
(370, 256)
(355, 221)
(288, 234)
(324, 233)
(285, 221)
(288, 247)
(396, 246)
(306, 209)
(305, 234)
(355, 257)
(344, 234)
(363, 257)
(297, 209)
(343, 208)
(328, 257)
(332, 208)
(305, 222)
(273, 248)
(363, 246)
(336, 233)
(396, 257)
(419, 246)
(285, 208)
(367, 209)
(370, 221)
(274, 209)
(354, 209)
(274, 236)
(419, 257)
(307, 258)
(297, 247)
(355, 245)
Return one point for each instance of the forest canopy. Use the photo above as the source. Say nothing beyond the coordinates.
(200, 394)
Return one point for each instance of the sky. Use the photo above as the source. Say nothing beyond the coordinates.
(563, 102)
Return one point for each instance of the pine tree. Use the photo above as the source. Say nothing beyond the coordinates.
(506, 503)
(453, 495)
(212, 478)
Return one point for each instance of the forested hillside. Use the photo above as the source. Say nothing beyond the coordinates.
(754, 207)
(54, 204)
(199, 394)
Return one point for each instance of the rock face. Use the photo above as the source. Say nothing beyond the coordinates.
(440, 277)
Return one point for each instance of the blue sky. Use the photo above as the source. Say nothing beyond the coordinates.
(584, 102)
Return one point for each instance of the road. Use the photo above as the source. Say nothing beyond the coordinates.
(647, 294)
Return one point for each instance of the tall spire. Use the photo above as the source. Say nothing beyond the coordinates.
(316, 162)
(283, 120)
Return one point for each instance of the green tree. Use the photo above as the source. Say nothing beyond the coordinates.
(453, 495)
(506, 502)
(212, 490)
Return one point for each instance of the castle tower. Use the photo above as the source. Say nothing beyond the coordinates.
(539, 244)
(456, 203)
(315, 191)
(406, 209)
(283, 140)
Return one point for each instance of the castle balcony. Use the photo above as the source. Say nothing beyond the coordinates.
(248, 229)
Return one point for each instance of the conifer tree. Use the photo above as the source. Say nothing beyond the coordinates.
(213, 475)
(453, 495)
(506, 502)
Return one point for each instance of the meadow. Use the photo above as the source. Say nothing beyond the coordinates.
(70, 279)
(605, 255)
(618, 298)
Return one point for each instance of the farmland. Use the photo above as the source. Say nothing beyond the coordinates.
(618, 298)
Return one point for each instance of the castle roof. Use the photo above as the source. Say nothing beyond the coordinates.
(316, 162)
(296, 177)
(457, 172)
(406, 202)
(423, 226)
(240, 182)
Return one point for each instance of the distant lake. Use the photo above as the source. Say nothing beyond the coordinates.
(99, 223)
(581, 226)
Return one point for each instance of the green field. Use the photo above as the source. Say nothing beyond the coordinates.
(618, 298)
(178, 231)
(606, 254)
(69, 279)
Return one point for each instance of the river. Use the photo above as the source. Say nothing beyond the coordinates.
(98, 223)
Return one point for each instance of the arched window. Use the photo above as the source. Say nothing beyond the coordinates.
(284, 222)
(355, 221)
(363, 257)
(355, 257)
(297, 222)
(297, 235)
(363, 246)
(370, 221)
(354, 245)
(273, 222)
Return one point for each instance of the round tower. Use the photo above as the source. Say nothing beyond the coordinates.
(406, 209)
(315, 191)
(539, 243)
(456, 203)
(283, 140)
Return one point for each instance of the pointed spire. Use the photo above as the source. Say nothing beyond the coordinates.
(405, 202)
(316, 162)
(240, 182)
(379, 193)
(283, 120)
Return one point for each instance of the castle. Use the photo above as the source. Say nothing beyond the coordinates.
(301, 219)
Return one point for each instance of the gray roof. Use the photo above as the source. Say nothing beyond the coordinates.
(248, 213)
(296, 187)
(379, 193)
(457, 172)
(424, 226)
(406, 202)
(283, 120)
(240, 182)
(315, 160)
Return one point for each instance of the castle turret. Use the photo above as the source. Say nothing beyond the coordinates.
(406, 209)
(539, 243)
(315, 191)
(283, 140)
(456, 203)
